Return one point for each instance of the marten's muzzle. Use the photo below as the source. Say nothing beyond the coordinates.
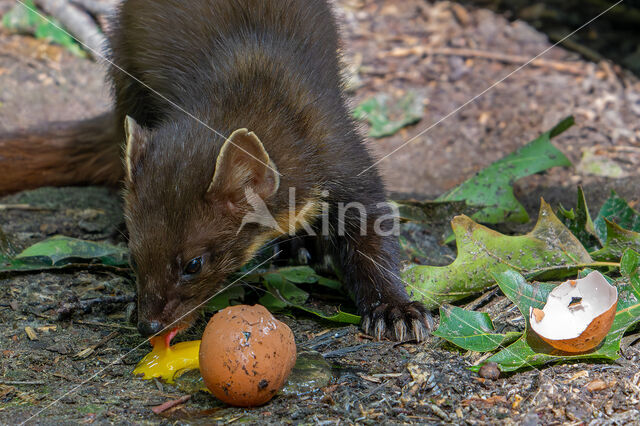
(149, 328)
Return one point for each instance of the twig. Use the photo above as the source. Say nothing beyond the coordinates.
(170, 404)
(99, 267)
(18, 382)
(343, 351)
(570, 67)
(68, 309)
(23, 206)
(77, 22)
(570, 44)
(107, 325)
(91, 349)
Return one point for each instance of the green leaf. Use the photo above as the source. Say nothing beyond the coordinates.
(617, 241)
(630, 267)
(471, 330)
(629, 263)
(60, 250)
(386, 119)
(342, 317)
(283, 294)
(530, 351)
(579, 222)
(617, 210)
(306, 275)
(521, 355)
(521, 293)
(299, 274)
(329, 283)
(492, 188)
(549, 247)
(25, 18)
(234, 295)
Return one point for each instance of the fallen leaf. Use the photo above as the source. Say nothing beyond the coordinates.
(550, 248)
(618, 211)
(471, 330)
(386, 118)
(525, 295)
(492, 188)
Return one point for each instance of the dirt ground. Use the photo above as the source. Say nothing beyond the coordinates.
(434, 49)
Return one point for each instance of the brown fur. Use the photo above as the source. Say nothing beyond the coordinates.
(68, 153)
(269, 66)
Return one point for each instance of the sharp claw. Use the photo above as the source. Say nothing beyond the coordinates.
(419, 331)
(366, 324)
(400, 329)
(398, 322)
(379, 330)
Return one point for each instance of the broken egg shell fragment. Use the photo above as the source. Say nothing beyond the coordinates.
(578, 314)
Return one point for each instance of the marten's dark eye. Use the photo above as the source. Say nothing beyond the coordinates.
(194, 266)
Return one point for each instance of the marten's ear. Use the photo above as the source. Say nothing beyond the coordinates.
(135, 146)
(243, 164)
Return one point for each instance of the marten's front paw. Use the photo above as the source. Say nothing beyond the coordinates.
(398, 321)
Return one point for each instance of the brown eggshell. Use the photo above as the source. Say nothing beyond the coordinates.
(577, 315)
(590, 337)
(246, 355)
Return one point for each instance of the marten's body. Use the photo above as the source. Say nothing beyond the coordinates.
(186, 73)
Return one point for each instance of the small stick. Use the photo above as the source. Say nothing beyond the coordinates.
(91, 349)
(99, 267)
(570, 67)
(107, 325)
(85, 305)
(23, 207)
(170, 404)
(18, 382)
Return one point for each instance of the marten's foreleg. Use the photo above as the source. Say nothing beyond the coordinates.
(366, 249)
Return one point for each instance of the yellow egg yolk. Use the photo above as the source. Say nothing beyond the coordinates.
(168, 362)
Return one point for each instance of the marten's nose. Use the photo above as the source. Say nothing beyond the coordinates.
(149, 328)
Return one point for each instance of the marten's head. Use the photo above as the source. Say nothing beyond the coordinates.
(184, 209)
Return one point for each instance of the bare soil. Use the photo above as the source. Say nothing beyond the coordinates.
(69, 371)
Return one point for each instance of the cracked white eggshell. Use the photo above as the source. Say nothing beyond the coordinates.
(581, 327)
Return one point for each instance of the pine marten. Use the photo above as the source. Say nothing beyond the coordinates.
(219, 105)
